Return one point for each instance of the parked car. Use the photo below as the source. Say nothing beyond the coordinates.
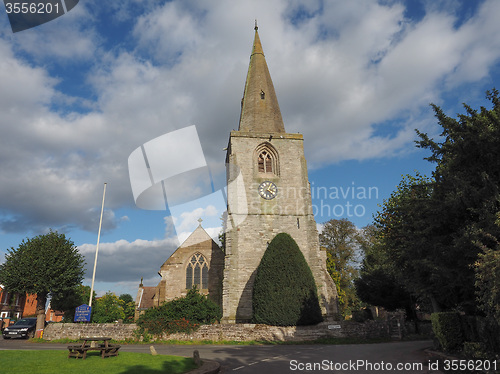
(23, 328)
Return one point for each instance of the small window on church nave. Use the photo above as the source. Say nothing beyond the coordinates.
(197, 272)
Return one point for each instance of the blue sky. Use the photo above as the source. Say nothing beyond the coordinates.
(79, 94)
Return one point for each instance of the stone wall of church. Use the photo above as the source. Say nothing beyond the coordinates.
(173, 271)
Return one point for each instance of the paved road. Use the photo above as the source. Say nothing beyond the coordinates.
(277, 359)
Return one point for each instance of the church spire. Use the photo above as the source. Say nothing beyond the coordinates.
(260, 112)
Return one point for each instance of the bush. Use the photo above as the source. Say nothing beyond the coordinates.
(107, 309)
(474, 351)
(184, 314)
(362, 315)
(448, 330)
(284, 291)
(489, 334)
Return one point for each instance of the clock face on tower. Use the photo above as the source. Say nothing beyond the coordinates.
(268, 190)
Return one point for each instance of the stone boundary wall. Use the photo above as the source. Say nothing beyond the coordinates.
(245, 332)
(228, 332)
(116, 331)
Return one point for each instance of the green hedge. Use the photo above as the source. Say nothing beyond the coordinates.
(284, 291)
(447, 328)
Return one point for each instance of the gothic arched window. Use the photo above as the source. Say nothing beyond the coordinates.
(265, 162)
(197, 272)
(267, 159)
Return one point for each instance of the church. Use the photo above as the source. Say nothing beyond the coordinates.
(268, 193)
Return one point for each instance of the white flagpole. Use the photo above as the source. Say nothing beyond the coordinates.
(97, 247)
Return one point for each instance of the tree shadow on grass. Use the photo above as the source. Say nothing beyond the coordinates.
(168, 367)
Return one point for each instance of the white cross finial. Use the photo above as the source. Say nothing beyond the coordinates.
(200, 221)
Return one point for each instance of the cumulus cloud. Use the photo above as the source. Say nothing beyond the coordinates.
(189, 219)
(123, 261)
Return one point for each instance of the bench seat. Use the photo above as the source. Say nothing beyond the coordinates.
(78, 351)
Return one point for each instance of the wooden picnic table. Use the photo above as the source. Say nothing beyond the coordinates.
(106, 349)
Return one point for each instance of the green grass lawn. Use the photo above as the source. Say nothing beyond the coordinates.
(57, 362)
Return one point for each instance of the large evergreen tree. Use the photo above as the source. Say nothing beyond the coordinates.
(43, 265)
(284, 291)
(465, 194)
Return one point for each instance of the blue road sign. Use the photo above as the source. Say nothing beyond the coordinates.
(82, 313)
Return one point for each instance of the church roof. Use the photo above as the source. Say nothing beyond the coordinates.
(199, 240)
(197, 236)
(145, 297)
(260, 112)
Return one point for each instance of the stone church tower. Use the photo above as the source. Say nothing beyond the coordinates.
(268, 193)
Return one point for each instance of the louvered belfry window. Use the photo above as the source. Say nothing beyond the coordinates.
(197, 272)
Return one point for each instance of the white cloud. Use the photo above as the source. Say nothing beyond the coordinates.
(190, 219)
(122, 261)
(320, 227)
(68, 38)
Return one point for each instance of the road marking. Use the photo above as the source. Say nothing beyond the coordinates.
(238, 368)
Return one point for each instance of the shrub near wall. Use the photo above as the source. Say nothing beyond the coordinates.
(184, 314)
(447, 327)
(284, 291)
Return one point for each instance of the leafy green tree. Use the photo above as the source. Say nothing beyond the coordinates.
(127, 298)
(342, 242)
(408, 246)
(69, 300)
(488, 283)
(108, 308)
(380, 288)
(336, 275)
(284, 291)
(487, 270)
(378, 284)
(44, 265)
(128, 307)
